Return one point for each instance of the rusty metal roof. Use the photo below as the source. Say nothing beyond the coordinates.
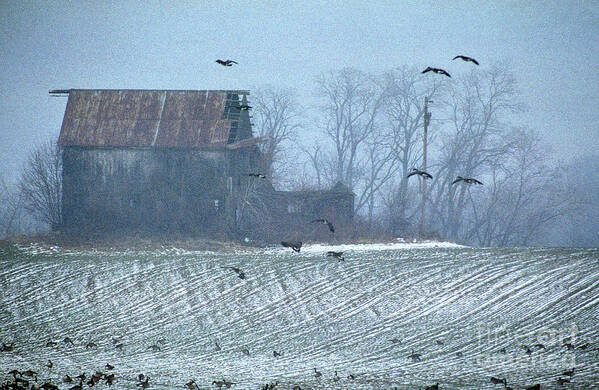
(146, 118)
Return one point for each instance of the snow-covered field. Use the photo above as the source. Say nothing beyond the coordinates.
(457, 307)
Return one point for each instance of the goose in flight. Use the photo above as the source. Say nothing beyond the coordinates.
(226, 62)
(467, 59)
(243, 107)
(436, 70)
(467, 180)
(325, 222)
(238, 271)
(258, 175)
(421, 173)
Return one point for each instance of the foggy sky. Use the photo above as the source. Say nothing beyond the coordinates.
(552, 45)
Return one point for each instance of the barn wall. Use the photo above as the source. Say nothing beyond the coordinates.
(144, 189)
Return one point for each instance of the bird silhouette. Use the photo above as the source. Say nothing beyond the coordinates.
(467, 59)
(337, 255)
(436, 70)
(534, 387)
(192, 385)
(226, 62)
(420, 173)
(325, 222)
(258, 175)
(295, 245)
(467, 180)
(415, 356)
(238, 271)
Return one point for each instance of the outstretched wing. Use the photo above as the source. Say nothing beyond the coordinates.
(331, 227)
(477, 182)
(459, 179)
(428, 69)
(427, 175)
(445, 73)
(412, 173)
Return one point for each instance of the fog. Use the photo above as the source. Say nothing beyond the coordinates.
(550, 49)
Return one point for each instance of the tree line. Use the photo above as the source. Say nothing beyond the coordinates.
(366, 131)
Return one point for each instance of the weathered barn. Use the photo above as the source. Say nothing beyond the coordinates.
(164, 160)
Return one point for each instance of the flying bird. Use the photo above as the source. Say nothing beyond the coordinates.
(258, 175)
(226, 62)
(337, 255)
(326, 222)
(467, 180)
(436, 70)
(238, 271)
(421, 173)
(295, 245)
(243, 107)
(467, 59)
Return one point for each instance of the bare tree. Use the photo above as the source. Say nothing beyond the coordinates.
(403, 115)
(580, 226)
(377, 167)
(11, 210)
(41, 184)
(476, 104)
(277, 115)
(523, 196)
(351, 101)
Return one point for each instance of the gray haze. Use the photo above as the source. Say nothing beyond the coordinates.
(552, 46)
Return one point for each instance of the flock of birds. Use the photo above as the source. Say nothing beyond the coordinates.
(425, 175)
(28, 379)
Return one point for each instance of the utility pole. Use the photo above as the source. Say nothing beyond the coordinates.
(427, 119)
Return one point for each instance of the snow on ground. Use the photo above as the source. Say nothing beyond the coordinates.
(37, 249)
(318, 248)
